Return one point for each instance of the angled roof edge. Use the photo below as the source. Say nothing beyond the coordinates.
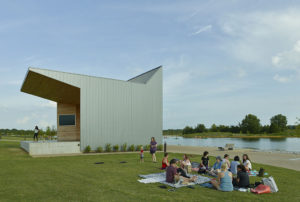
(99, 77)
(140, 79)
(145, 77)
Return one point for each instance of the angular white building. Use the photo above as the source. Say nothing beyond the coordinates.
(95, 111)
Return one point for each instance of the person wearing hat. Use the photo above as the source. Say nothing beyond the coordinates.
(216, 167)
(172, 176)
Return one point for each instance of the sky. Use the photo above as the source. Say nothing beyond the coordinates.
(221, 59)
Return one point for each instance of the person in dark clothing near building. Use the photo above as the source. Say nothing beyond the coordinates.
(242, 179)
(36, 133)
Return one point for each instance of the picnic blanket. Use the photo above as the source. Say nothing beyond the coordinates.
(255, 173)
(161, 178)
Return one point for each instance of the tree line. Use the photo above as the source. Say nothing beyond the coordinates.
(49, 132)
(249, 125)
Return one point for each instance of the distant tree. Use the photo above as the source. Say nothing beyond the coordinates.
(278, 123)
(213, 128)
(187, 130)
(53, 132)
(200, 128)
(298, 126)
(42, 133)
(235, 129)
(265, 129)
(223, 128)
(48, 131)
(250, 124)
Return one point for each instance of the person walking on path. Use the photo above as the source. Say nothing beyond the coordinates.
(36, 133)
(153, 145)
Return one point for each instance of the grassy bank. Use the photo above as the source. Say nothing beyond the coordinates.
(77, 178)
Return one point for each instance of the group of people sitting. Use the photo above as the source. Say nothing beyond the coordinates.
(176, 170)
(228, 174)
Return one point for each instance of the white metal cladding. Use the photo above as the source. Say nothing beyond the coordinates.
(115, 111)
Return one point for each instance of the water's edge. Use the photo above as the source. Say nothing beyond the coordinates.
(278, 145)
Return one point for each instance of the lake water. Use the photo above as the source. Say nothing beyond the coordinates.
(269, 144)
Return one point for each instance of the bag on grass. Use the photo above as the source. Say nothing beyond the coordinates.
(261, 172)
(261, 189)
(270, 182)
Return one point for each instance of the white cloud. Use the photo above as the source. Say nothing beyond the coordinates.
(282, 79)
(297, 46)
(203, 29)
(288, 60)
(175, 81)
(49, 103)
(257, 36)
(10, 82)
(241, 73)
(44, 124)
(23, 120)
(275, 60)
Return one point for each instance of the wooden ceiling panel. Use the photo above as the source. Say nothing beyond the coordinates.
(51, 89)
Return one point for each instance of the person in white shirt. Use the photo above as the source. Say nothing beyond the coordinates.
(246, 162)
(36, 133)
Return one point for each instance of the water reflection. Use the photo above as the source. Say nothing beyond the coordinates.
(277, 139)
(277, 144)
(250, 139)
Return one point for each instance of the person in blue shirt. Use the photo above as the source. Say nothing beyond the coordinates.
(216, 167)
(224, 180)
(234, 164)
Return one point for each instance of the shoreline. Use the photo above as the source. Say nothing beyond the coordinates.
(273, 158)
(226, 136)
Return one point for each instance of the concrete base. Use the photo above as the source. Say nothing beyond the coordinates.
(50, 147)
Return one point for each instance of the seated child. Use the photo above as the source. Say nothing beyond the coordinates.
(165, 163)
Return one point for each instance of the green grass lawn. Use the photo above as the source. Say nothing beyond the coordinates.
(77, 178)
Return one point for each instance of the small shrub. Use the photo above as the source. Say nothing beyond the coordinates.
(116, 148)
(160, 147)
(108, 147)
(87, 149)
(138, 147)
(147, 147)
(124, 147)
(99, 149)
(131, 147)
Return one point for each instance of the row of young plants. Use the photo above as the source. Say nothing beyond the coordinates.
(122, 148)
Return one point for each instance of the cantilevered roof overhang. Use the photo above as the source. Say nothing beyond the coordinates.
(49, 88)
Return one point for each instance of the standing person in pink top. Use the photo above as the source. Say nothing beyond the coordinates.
(153, 145)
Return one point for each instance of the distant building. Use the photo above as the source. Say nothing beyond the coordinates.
(95, 111)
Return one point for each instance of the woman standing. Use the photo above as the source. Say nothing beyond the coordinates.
(153, 145)
(36, 133)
